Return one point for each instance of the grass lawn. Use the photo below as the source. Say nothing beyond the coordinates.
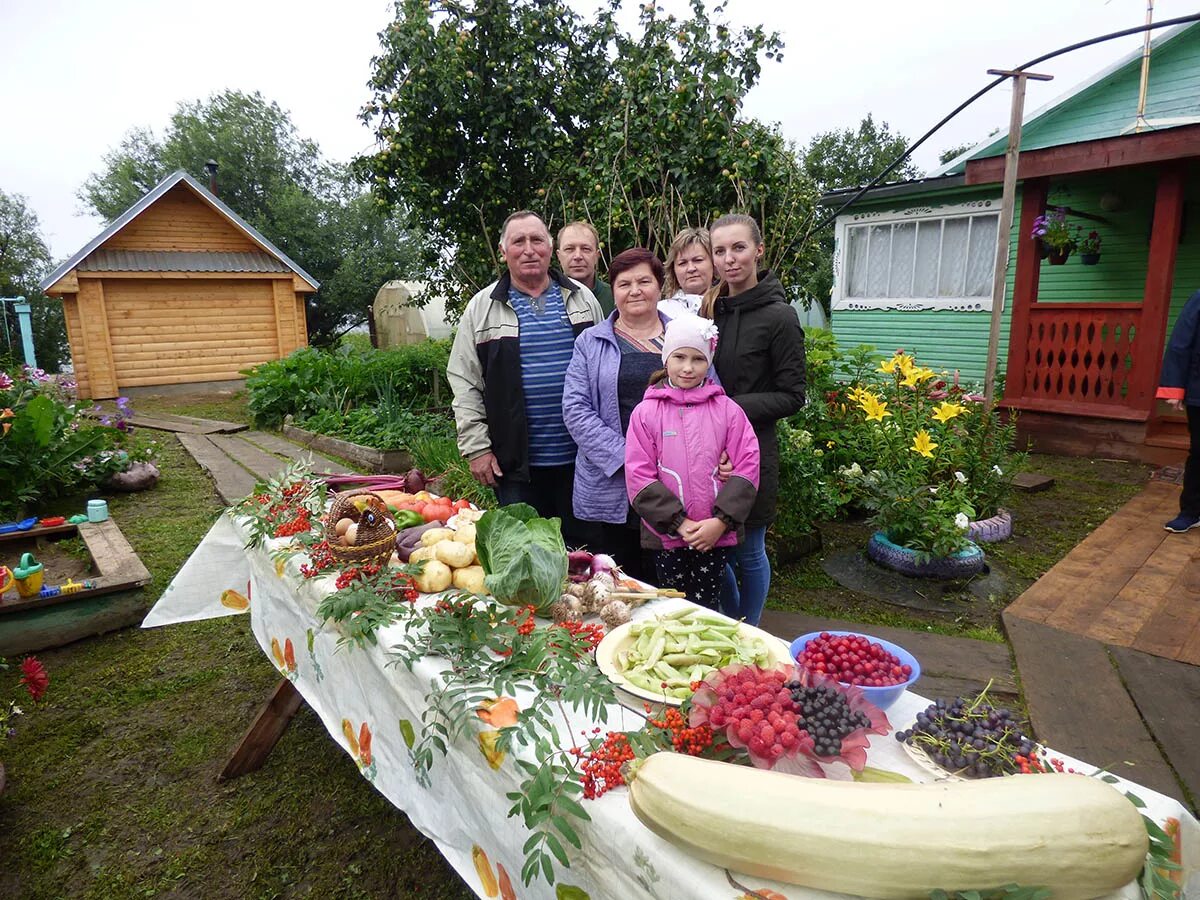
(112, 789)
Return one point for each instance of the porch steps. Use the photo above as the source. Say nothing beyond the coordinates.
(1168, 432)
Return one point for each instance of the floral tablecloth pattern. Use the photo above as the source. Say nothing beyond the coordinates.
(373, 707)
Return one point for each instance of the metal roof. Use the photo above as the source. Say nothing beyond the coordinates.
(178, 261)
(177, 177)
(994, 144)
(893, 189)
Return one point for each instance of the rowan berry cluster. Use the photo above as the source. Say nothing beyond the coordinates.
(321, 558)
(351, 574)
(601, 767)
(1032, 764)
(592, 633)
(691, 741)
(298, 525)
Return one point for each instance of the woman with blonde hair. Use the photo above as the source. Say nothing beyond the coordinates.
(689, 272)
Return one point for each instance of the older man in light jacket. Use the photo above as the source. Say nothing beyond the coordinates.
(507, 369)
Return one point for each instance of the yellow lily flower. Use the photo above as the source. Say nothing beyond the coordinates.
(922, 444)
(906, 364)
(875, 408)
(888, 366)
(945, 411)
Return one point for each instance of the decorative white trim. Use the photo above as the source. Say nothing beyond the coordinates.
(838, 299)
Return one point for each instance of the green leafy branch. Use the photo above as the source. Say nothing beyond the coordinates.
(493, 651)
(546, 801)
(291, 490)
(372, 602)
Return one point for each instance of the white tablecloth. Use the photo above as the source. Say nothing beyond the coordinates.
(463, 807)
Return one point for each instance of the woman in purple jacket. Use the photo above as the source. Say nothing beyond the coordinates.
(692, 518)
(608, 374)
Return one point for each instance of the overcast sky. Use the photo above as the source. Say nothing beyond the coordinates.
(75, 76)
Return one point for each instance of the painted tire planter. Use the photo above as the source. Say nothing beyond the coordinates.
(989, 531)
(963, 564)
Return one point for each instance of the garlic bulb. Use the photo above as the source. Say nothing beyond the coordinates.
(615, 613)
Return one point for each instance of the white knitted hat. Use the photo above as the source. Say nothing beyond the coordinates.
(688, 330)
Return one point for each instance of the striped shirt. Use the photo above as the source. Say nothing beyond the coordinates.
(547, 342)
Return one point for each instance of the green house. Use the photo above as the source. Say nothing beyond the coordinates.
(1081, 342)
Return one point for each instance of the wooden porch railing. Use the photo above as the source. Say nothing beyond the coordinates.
(1082, 359)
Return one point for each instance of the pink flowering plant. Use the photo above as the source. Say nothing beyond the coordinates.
(1051, 229)
(48, 446)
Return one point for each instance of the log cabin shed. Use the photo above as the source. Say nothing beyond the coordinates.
(178, 289)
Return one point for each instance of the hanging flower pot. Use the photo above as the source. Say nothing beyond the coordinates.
(963, 564)
(1088, 246)
(1058, 255)
(1042, 250)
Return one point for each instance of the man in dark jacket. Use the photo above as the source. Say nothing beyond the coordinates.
(1181, 388)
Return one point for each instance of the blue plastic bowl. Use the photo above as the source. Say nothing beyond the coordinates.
(882, 697)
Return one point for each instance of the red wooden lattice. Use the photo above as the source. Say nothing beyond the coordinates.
(1082, 353)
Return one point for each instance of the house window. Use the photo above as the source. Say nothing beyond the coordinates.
(927, 262)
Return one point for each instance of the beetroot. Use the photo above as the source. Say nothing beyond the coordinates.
(414, 480)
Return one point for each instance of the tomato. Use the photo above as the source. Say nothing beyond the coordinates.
(462, 504)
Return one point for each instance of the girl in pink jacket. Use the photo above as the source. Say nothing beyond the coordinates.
(675, 440)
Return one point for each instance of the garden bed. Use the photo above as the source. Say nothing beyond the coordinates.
(372, 461)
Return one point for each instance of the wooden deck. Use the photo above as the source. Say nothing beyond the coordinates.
(237, 461)
(1128, 584)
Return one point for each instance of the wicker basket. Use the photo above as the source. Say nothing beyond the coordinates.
(378, 550)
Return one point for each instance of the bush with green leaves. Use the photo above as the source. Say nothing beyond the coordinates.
(808, 493)
(379, 427)
(309, 381)
(935, 458)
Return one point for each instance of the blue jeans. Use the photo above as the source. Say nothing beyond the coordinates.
(748, 578)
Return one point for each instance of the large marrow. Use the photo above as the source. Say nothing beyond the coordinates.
(1076, 835)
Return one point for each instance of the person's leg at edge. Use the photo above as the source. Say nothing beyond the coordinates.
(731, 597)
(510, 490)
(1189, 500)
(753, 578)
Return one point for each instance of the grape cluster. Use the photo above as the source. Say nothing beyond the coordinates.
(826, 715)
(970, 737)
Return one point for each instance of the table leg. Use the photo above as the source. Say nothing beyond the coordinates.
(262, 736)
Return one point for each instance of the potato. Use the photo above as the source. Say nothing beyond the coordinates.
(435, 577)
(470, 579)
(433, 535)
(465, 533)
(421, 553)
(474, 555)
(470, 515)
(453, 554)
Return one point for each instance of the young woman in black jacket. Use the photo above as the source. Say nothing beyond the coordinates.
(760, 361)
